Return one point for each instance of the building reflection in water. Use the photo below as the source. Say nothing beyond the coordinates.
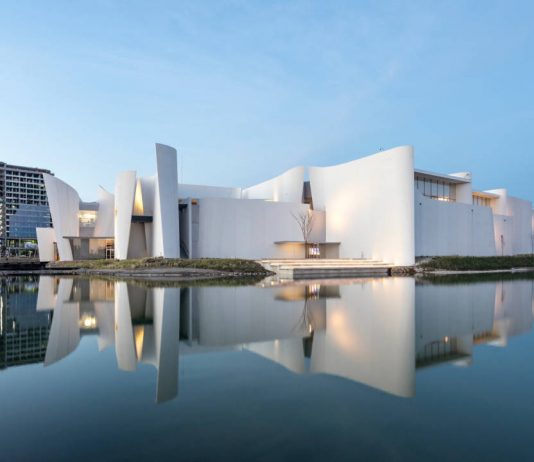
(377, 331)
(23, 330)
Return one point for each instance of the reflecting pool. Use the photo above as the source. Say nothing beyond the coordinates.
(391, 368)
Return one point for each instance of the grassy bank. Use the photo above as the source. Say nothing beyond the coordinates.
(477, 263)
(229, 265)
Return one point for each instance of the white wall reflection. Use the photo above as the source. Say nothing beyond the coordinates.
(369, 335)
(374, 331)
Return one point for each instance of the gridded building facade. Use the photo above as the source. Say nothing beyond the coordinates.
(24, 331)
(23, 207)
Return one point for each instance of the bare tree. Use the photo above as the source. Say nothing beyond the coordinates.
(305, 222)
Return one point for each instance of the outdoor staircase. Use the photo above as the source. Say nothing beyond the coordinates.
(326, 268)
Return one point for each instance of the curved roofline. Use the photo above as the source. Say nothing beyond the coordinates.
(275, 177)
(387, 151)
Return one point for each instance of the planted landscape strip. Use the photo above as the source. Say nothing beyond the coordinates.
(228, 265)
(478, 263)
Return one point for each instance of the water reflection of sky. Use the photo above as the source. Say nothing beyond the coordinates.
(225, 346)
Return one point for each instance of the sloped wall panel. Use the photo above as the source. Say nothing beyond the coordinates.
(124, 198)
(165, 232)
(64, 205)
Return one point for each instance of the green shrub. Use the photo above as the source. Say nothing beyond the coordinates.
(217, 264)
(478, 263)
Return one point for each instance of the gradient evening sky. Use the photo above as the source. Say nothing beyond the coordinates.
(247, 89)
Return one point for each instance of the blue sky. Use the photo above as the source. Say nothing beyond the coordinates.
(247, 89)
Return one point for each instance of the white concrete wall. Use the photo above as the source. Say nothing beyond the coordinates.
(286, 187)
(235, 228)
(195, 191)
(369, 205)
(512, 224)
(464, 191)
(521, 210)
(64, 205)
(137, 241)
(124, 199)
(451, 228)
(166, 234)
(45, 240)
(105, 219)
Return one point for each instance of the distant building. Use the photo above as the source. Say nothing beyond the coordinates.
(23, 208)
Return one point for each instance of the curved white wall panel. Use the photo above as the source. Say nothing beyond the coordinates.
(369, 335)
(105, 219)
(46, 298)
(369, 205)
(105, 320)
(165, 237)
(288, 352)
(45, 240)
(286, 187)
(124, 199)
(64, 205)
(65, 329)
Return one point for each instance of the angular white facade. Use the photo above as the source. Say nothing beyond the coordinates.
(64, 207)
(377, 207)
(139, 220)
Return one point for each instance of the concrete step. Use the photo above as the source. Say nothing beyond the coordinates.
(326, 268)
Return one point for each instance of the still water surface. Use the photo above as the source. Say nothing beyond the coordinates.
(367, 369)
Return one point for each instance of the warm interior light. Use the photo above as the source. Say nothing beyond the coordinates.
(138, 200)
(88, 322)
(87, 217)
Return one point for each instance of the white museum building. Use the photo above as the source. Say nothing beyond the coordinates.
(377, 207)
